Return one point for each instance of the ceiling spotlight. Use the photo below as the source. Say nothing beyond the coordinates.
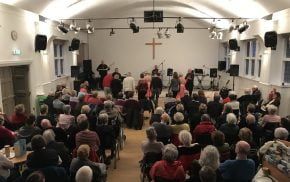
(243, 27)
(167, 33)
(179, 27)
(90, 28)
(112, 32)
(159, 33)
(73, 27)
(61, 27)
(220, 36)
(133, 26)
(212, 28)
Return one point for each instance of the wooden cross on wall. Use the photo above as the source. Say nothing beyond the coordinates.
(153, 44)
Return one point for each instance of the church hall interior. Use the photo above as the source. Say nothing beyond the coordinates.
(71, 71)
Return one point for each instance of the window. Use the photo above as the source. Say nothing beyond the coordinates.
(58, 57)
(251, 59)
(287, 61)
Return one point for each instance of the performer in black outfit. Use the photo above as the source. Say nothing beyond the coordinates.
(103, 70)
(189, 81)
(116, 72)
(155, 70)
(156, 88)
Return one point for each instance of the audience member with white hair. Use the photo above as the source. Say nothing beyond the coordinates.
(207, 174)
(151, 144)
(240, 169)
(65, 120)
(163, 130)
(187, 149)
(272, 116)
(168, 168)
(256, 94)
(156, 117)
(234, 103)
(84, 174)
(230, 129)
(180, 125)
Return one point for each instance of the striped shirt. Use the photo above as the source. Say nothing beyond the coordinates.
(88, 137)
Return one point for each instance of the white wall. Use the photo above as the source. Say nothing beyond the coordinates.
(272, 70)
(192, 49)
(41, 65)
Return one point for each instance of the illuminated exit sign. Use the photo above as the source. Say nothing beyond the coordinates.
(16, 52)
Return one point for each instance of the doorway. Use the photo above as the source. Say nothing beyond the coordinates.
(15, 88)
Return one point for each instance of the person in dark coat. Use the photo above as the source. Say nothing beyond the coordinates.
(215, 107)
(103, 70)
(116, 86)
(156, 87)
(189, 81)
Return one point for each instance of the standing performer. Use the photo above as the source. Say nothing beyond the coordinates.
(148, 81)
(116, 72)
(155, 70)
(156, 88)
(174, 85)
(103, 70)
(116, 86)
(189, 81)
(182, 83)
(128, 85)
(142, 87)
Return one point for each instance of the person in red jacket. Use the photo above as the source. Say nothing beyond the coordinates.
(107, 83)
(168, 168)
(202, 132)
(7, 137)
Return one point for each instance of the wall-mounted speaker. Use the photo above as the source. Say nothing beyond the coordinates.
(213, 72)
(234, 70)
(74, 71)
(233, 45)
(169, 72)
(75, 44)
(40, 42)
(271, 39)
(87, 66)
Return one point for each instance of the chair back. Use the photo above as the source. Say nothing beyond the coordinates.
(175, 140)
(186, 160)
(204, 139)
(268, 131)
(161, 179)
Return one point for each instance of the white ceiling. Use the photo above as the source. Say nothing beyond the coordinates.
(62, 9)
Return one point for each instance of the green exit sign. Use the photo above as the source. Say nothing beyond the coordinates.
(16, 52)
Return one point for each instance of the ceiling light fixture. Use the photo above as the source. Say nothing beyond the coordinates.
(219, 36)
(90, 28)
(179, 27)
(61, 27)
(73, 27)
(112, 32)
(167, 33)
(133, 26)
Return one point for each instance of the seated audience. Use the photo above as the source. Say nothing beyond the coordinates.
(218, 140)
(187, 151)
(156, 117)
(210, 157)
(57, 103)
(241, 169)
(202, 132)
(151, 145)
(223, 117)
(94, 99)
(29, 129)
(5, 166)
(246, 134)
(195, 116)
(230, 129)
(120, 101)
(73, 100)
(251, 110)
(44, 115)
(168, 168)
(162, 129)
(176, 128)
(256, 94)
(18, 118)
(45, 124)
(201, 97)
(274, 102)
(215, 107)
(79, 105)
(41, 157)
(65, 120)
(132, 109)
(82, 159)
(85, 136)
(59, 147)
(7, 137)
(254, 127)
(84, 174)
(235, 105)
(285, 123)
(272, 116)
(207, 174)
(113, 113)
(245, 100)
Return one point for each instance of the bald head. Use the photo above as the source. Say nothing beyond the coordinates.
(250, 119)
(84, 174)
(242, 148)
(45, 124)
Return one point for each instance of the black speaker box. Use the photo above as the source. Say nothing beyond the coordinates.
(213, 72)
(74, 71)
(87, 65)
(77, 84)
(233, 44)
(40, 42)
(222, 65)
(75, 44)
(234, 70)
(271, 39)
(169, 72)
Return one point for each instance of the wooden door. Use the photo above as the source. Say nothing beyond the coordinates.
(7, 90)
(21, 86)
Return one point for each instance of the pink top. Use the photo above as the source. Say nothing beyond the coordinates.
(271, 119)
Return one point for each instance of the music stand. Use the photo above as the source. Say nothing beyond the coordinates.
(199, 72)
